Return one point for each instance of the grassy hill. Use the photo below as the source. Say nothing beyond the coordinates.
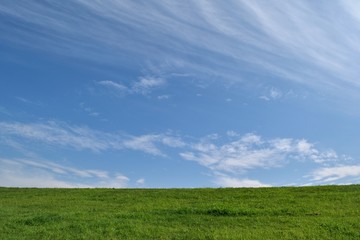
(328, 212)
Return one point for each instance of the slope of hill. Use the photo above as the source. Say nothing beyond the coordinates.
(326, 212)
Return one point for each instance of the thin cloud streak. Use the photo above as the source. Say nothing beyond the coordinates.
(57, 134)
(288, 40)
(333, 174)
(37, 173)
(143, 86)
(231, 160)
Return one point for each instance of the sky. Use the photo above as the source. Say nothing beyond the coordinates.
(179, 94)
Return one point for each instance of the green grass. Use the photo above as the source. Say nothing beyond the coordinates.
(328, 212)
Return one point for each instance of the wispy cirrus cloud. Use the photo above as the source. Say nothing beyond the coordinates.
(114, 86)
(163, 97)
(146, 84)
(290, 41)
(146, 143)
(231, 160)
(61, 134)
(57, 134)
(91, 112)
(326, 175)
(273, 94)
(28, 101)
(40, 173)
(143, 86)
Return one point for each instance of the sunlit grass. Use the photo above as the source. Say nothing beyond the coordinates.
(329, 212)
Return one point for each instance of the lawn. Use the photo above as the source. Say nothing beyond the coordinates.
(327, 212)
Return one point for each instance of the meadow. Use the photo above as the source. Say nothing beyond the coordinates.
(326, 212)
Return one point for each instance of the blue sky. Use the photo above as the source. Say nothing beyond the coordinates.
(179, 94)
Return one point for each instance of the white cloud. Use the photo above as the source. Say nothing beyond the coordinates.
(27, 101)
(114, 85)
(232, 133)
(251, 138)
(140, 181)
(288, 40)
(36, 173)
(273, 94)
(226, 181)
(56, 168)
(60, 134)
(265, 98)
(282, 144)
(330, 174)
(234, 154)
(143, 86)
(147, 143)
(18, 147)
(89, 110)
(57, 134)
(146, 84)
(174, 142)
(304, 147)
(250, 151)
(163, 97)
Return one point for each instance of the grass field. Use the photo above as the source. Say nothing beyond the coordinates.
(328, 212)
